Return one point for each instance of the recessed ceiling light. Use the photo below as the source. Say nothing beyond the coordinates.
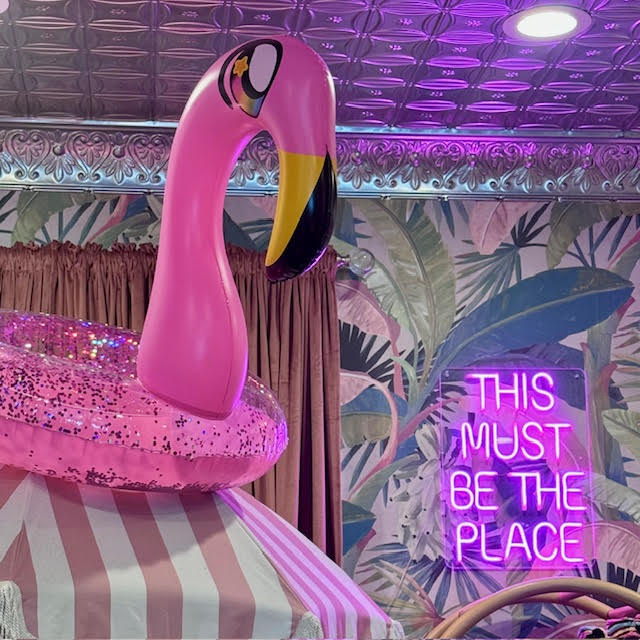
(547, 22)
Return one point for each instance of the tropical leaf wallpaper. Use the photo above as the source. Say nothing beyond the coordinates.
(458, 283)
(455, 283)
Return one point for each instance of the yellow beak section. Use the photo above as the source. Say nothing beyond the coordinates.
(304, 216)
(299, 175)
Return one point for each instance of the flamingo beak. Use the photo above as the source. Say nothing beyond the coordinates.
(304, 216)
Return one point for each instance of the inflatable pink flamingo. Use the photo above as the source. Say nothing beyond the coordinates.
(194, 348)
(71, 404)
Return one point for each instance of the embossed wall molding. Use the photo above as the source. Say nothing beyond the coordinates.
(134, 159)
(489, 167)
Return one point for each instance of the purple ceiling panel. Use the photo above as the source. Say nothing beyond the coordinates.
(430, 64)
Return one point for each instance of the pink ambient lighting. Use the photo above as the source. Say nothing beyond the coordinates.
(514, 463)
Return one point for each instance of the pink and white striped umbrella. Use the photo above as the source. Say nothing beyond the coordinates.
(100, 563)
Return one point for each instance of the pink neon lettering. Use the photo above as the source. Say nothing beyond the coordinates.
(512, 543)
(564, 542)
(566, 490)
(514, 392)
(555, 490)
(542, 398)
(465, 490)
(532, 440)
(468, 533)
(559, 488)
(556, 426)
(487, 438)
(498, 439)
(536, 545)
(467, 439)
(483, 377)
(475, 532)
(523, 475)
(460, 540)
(479, 490)
(525, 392)
(483, 546)
(535, 380)
(474, 490)
(470, 498)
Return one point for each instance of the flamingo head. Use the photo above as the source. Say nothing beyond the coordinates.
(286, 88)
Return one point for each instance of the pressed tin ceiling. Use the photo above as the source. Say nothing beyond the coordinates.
(404, 70)
(408, 63)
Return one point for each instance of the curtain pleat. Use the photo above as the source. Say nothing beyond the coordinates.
(293, 347)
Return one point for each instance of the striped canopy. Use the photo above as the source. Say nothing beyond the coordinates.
(80, 561)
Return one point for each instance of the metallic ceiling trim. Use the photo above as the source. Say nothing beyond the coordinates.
(108, 158)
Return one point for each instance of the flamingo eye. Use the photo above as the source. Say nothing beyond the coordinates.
(248, 73)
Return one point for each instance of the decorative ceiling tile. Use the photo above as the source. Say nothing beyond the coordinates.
(179, 38)
(96, 11)
(118, 33)
(184, 62)
(169, 109)
(109, 82)
(51, 80)
(121, 107)
(38, 8)
(126, 60)
(55, 104)
(12, 104)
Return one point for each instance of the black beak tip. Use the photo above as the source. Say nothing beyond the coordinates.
(313, 232)
(282, 270)
(278, 272)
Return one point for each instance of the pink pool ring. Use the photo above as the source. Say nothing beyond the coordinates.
(72, 407)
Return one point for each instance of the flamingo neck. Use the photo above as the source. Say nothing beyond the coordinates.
(193, 351)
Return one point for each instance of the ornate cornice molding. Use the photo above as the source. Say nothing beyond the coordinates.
(103, 157)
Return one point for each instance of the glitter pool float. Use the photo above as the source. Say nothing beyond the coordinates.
(174, 408)
(71, 406)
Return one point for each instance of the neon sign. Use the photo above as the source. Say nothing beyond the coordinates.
(514, 465)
